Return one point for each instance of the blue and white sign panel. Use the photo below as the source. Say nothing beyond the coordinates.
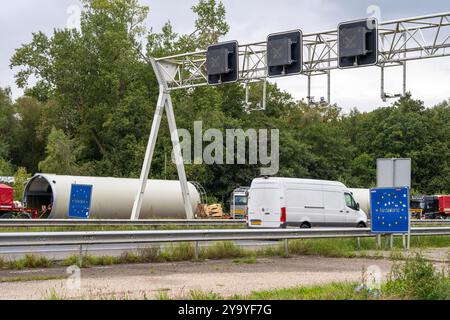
(80, 201)
(390, 210)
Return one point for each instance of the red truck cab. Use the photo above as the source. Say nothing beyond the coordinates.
(6, 197)
(7, 208)
(444, 205)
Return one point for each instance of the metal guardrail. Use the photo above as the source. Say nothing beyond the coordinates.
(431, 221)
(18, 239)
(44, 223)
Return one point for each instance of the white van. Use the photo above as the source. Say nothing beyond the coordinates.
(282, 202)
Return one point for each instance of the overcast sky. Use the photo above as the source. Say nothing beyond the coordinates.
(252, 20)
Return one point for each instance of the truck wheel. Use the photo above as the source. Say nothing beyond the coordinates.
(6, 216)
(24, 216)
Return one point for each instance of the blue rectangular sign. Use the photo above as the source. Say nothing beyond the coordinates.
(80, 201)
(390, 210)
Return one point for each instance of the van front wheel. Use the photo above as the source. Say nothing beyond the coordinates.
(361, 225)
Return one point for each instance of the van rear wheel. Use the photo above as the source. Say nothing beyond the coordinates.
(305, 225)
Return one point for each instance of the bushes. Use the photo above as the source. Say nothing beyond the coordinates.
(223, 250)
(29, 261)
(417, 278)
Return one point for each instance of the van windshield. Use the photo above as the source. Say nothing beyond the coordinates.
(264, 198)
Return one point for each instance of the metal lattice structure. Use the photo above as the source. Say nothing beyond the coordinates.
(399, 41)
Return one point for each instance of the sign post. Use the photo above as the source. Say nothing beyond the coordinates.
(390, 211)
(396, 173)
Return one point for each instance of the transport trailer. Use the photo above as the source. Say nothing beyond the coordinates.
(10, 209)
(444, 206)
(431, 207)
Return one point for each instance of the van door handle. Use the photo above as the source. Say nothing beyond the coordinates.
(342, 211)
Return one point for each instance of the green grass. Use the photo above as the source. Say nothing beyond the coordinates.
(32, 278)
(250, 260)
(53, 295)
(345, 247)
(414, 279)
(28, 262)
(418, 279)
(333, 291)
(224, 250)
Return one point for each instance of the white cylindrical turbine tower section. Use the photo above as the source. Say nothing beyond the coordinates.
(362, 196)
(112, 198)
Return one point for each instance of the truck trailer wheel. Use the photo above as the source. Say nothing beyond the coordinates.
(6, 216)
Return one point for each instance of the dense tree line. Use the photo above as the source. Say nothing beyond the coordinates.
(89, 111)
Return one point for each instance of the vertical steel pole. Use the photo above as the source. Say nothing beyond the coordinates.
(196, 251)
(383, 95)
(179, 158)
(163, 100)
(404, 64)
(80, 257)
(286, 247)
(149, 154)
(264, 102)
(408, 245)
(329, 80)
(309, 90)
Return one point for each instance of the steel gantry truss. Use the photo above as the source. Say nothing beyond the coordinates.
(399, 41)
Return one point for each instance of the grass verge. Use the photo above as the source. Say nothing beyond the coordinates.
(415, 279)
(348, 248)
(118, 228)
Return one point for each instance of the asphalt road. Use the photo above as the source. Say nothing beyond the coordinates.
(226, 277)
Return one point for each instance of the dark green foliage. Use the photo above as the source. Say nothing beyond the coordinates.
(418, 279)
(96, 88)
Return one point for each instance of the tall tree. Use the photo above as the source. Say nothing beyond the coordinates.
(61, 155)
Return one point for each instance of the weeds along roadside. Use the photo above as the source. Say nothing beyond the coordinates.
(117, 228)
(413, 279)
(348, 248)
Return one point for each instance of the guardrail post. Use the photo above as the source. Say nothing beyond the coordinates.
(80, 257)
(286, 247)
(404, 241)
(196, 251)
(392, 242)
(378, 239)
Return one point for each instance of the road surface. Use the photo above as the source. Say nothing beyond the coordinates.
(177, 279)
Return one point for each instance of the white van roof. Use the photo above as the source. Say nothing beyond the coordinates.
(299, 181)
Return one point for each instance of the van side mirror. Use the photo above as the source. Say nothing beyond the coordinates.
(358, 207)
